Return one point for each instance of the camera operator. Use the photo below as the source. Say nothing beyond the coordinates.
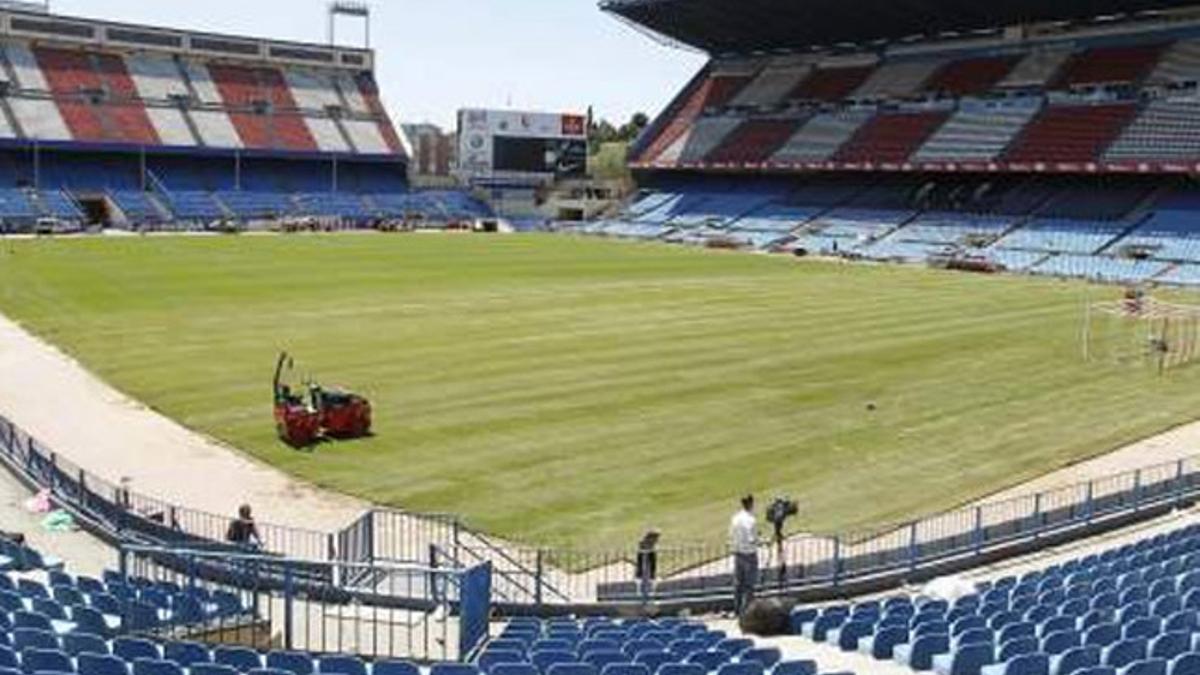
(743, 541)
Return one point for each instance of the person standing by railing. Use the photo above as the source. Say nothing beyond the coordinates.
(743, 543)
(242, 530)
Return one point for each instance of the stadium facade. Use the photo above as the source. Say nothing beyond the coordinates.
(114, 123)
(1057, 140)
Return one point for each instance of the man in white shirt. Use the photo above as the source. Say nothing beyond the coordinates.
(743, 541)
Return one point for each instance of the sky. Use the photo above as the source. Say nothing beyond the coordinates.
(436, 56)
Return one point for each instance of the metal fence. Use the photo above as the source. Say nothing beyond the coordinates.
(527, 578)
(387, 611)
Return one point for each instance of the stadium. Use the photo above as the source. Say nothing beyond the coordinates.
(918, 275)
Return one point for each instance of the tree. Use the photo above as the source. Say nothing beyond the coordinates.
(602, 131)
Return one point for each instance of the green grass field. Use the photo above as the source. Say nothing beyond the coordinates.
(572, 392)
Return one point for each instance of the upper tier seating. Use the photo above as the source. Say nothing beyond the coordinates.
(1180, 63)
(1166, 129)
(897, 79)
(1037, 68)
(147, 98)
(772, 86)
(156, 76)
(702, 138)
(691, 104)
(754, 141)
(722, 89)
(821, 136)
(977, 133)
(1110, 65)
(890, 137)
(1071, 133)
(831, 83)
(970, 76)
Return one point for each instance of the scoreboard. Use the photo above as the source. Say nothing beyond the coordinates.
(506, 144)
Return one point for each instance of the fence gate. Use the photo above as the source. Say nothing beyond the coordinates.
(475, 608)
(356, 544)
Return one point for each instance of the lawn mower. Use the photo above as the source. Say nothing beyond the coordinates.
(327, 413)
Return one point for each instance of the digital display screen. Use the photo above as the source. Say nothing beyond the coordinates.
(559, 156)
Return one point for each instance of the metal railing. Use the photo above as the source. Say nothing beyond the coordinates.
(374, 610)
(527, 578)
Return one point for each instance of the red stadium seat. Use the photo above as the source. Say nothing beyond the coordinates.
(1071, 133)
(890, 137)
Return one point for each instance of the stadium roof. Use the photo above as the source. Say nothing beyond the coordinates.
(744, 26)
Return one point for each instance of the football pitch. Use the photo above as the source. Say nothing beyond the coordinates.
(573, 392)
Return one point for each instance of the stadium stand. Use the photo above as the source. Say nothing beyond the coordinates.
(85, 105)
(1131, 609)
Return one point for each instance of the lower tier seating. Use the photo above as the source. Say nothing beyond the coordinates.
(1132, 609)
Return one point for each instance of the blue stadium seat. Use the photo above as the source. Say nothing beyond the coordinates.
(543, 660)
(711, 660)
(735, 646)
(967, 659)
(341, 665)
(210, 669)
(46, 660)
(654, 659)
(681, 669)
(31, 588)
(882, 643)
(186, 653)
(796, 667)
(766, 656)
(1025, 664)
(398, 667)
(593, 645)
(453, 669)
(513, 669)
(292, 662)
(101, 664)
(131, 649)
(635, 647)
(156, 667)
(1169, 645)
(83, 643)
(1124, 652)
(1187, 664)
(492, 657)
(88, 620)
(26, 619)
(625, 669)
(546, 645)
(240, 658)
(602, 658)
(268, 671)
(1146, 667)
(741, 669)
(572, 669)
(919, 653)
(26, 638)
